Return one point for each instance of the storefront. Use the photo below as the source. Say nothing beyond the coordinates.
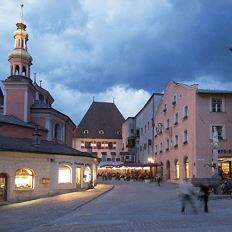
(224, 165)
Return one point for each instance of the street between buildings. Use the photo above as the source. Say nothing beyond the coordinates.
(129, 206)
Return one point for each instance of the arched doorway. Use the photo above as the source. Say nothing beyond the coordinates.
(168, 168)
(3, 187)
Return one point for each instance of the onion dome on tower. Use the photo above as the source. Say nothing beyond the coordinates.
(20, 59)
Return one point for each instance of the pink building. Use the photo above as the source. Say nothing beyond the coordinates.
(184, 124)
(26, 105)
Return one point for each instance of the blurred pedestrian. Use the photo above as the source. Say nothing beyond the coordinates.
(204, 195)
(187, 193)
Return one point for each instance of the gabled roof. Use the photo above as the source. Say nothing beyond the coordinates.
(101, 116)
(46, 147)
(10, 119)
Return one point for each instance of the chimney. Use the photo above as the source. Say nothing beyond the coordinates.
(36, 137)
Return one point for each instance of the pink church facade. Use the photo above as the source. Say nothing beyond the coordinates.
(184, 125)
(27, 105)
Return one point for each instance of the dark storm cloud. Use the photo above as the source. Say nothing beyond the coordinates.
(183, 41)
(142, 44)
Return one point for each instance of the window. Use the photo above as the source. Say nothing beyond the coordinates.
(119, 132)
(174, 101)
(185, 115)
(24, 179)
(86, 131)
(113, 158)
(167, 126)
(165, 108)
(176, 119)
(141, 131)
(103, 158)
(110, 145)
(101, 132)
(176, 141)
(98, 145)
(177, 169)
(87, 174)
(17, 72)
(64, 174)
(161, 147)
(87, 145)
(156, 149)
(145, 128)
(185, 139)
(24, 73)
(216, 105)
(220, 130)
(141, 148)
(57, 132)
(186, 168)
(167, 147)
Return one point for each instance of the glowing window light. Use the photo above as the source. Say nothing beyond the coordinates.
(177, 167)
(65, 174)
(24, 179)
(187, 170)
(87, 174)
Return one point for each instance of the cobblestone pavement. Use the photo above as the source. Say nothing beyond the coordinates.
(133, 206)
(137, 206)
(23, 216)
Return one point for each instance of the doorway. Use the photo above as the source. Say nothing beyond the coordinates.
(78, 177)
(3, 187)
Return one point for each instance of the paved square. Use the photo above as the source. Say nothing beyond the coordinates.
(132, 206)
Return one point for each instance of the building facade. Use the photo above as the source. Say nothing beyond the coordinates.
(25, 103)
(36, 154)
(138, 131)
(184, 125)
(100, 131)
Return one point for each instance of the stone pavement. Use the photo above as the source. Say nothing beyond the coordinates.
(23, 216)
(137, 206)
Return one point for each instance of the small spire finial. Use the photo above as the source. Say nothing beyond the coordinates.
(93, 98)
(22, 5)
(35, 78)
(113, 99)
(40, 83)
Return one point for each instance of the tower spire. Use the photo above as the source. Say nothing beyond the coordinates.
(22, 5)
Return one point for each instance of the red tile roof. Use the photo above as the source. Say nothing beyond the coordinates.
(101, 116)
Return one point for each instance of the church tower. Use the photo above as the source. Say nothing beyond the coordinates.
(20, 60)
(19, 90)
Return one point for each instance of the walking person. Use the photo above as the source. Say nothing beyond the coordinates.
(204, 195)
(159, 179)
(187, 193)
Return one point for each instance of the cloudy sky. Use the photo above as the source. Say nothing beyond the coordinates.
(122, 49)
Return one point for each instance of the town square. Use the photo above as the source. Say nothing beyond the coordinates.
(115, 115)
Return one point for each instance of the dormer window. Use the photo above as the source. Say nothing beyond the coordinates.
(101, 132)
(86, 131)
(118, 132)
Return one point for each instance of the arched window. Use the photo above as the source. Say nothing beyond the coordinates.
(177, 169)
(24, 73)
(87, 174)
(24, 179)
(186, 168)
(168, 170)
(17, 70)
(64, 174)
(57, 132)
